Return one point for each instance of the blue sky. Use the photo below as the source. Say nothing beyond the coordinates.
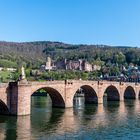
(112, 22)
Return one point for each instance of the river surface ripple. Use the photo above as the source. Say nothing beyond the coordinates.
(111, 121)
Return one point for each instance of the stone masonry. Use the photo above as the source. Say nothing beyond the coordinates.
(15, 97)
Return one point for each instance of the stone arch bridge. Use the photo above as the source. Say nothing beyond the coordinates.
(15, 97)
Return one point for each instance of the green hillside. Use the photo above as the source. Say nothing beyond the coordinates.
(33, 54)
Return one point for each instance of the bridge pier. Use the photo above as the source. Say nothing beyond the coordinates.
(100, 100)
(68, 96)
(20, 98)
(68, 103)
(121, 98)
(137, 97)
(24, 99)
(137, 94)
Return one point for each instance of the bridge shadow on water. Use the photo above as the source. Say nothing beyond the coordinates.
(44, 115)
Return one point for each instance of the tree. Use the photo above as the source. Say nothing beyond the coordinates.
(119, 58)
(114, 71)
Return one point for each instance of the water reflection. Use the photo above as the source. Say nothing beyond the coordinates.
(113, 120)
(2, 127)
(23, 128)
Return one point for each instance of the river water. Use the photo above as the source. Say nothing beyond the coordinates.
(111, 121)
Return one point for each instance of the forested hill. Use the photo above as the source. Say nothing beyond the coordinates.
(32, 54)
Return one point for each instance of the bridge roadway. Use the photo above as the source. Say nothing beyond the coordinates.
(15, 97)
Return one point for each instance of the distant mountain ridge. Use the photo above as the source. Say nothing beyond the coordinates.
(35, 52)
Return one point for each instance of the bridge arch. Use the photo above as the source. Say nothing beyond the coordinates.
(111, 93)
(129, 93)
(55, 95)
(89, 93)
(3, 108)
